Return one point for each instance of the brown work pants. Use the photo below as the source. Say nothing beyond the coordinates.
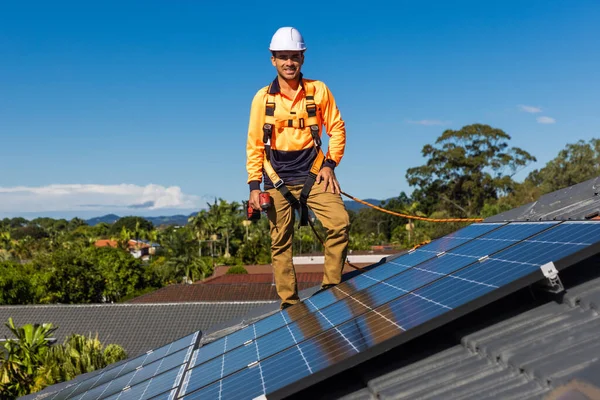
(330, 210)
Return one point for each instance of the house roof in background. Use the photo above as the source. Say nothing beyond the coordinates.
(136, 327)
(312, 277)
(178, 293)
(300, 268)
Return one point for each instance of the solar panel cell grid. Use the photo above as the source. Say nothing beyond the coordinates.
(316, 319)
(408, 300)
(360, 282)
(150, 388)
(113, 380)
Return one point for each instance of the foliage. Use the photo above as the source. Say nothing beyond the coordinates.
(69, 277)
(237, 269)
(23, 359)
(79, 354)
(576, 163)
(30, 363)
(16, 286)
(467, 168)
(130, 223)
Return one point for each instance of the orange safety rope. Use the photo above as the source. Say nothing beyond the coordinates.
(421, 244)
(398, 215)
(413, 216)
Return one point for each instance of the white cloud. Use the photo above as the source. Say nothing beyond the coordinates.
(546, 120)
(530, 109)
(23, 199)
(429, 122)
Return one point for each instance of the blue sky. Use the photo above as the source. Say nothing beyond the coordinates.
(108, 105)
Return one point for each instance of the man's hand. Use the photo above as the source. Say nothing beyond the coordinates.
(328, 176)
(254, 200)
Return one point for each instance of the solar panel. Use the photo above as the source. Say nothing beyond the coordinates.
(354, 298)
(389, 312)
(401, 298)
(321, 300)
(142, 369)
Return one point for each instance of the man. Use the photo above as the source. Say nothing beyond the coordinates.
(283, 149)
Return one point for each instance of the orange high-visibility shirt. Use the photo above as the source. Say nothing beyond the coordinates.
(292, 148)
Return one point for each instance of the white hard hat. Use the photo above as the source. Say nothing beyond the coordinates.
(287, 38)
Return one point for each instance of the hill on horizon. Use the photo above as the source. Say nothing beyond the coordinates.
(181, 219)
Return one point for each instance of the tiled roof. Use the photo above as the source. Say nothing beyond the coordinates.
(214, 292)
(526, 356)
(136, 327)
(313, 277)
(301, 268)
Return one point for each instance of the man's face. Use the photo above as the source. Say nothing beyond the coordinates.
(288, 63)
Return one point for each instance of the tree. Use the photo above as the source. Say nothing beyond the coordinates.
(78, 355)
(576, 163)
(199, 224)
(131, 223)
(123, 274)
(23, 359)
(29, 362)
(66, 276)
(15, 284)
(466, 168)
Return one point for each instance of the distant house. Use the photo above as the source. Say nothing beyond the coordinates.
(138, 248)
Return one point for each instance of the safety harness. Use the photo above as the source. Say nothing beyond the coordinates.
(307, 120)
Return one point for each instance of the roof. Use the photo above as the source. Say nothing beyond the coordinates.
(313, 277)
(178, 293)
(130, 243)
(581, 201)
(136, 327)
(527, 355)
(300, 268)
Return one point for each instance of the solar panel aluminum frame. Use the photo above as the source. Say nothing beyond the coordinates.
(431, 324)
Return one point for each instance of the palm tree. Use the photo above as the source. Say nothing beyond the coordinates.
(123, 238)
(199, 225)
(6, 246)
(230, 220)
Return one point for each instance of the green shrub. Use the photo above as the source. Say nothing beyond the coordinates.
(237, 269)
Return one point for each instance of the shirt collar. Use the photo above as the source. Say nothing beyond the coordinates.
(275, 88)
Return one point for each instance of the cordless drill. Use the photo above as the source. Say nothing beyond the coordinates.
(265, 202)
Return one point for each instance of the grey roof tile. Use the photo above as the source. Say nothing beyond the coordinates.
(136, 327)
(591, 374)
(586, 295)
(409, 382)
(440, 360)
(559, 367)
(530, 320)
(364, 394)
(454, 381)
(490, 380)
(502, 344)
(523, 348)
(503, 385)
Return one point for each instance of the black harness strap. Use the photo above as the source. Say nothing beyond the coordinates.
(311, 109)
